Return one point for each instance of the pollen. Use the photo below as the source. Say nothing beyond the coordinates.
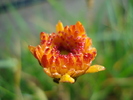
(66, 54)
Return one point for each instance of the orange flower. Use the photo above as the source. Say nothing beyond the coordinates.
(66, 54)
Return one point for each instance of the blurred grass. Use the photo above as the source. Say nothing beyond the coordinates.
(111, 29)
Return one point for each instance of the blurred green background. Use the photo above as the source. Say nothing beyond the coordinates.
(108, 22)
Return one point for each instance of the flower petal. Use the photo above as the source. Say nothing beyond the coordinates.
(59, 27)
(31, 48)
(67, 78)
(95, 68)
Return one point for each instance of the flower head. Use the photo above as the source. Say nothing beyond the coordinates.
(66, 54)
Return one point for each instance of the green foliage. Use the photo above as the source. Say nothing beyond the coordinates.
(111, 30)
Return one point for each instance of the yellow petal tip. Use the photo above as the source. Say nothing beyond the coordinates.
(31, 48)
(59, 26)
(67, 78)
(95, 68)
